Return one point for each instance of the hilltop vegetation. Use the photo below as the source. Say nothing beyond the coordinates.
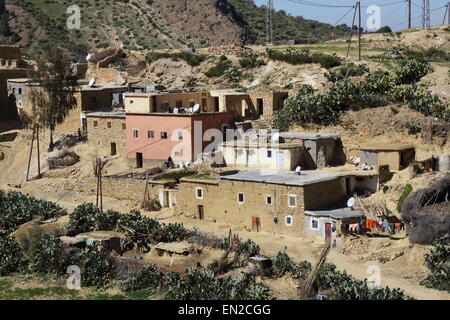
(155, 24)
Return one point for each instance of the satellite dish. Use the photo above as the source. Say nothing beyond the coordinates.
(89, 57)
(91, 82)
(351, 202)
(275, 137)
(196, 108)
(298, 169)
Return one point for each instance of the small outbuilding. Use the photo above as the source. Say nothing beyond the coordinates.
(396, 156)
(330, 224)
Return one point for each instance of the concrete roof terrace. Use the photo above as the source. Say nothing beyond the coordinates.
(283, 177)
(308, 136)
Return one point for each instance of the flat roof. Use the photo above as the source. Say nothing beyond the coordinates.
(106, 114)
(336, 213)
(283, 177)
(386, 147)
(309, 136)
(177, 114)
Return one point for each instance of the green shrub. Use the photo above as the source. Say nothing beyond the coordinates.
(17, 208)
(304, 56)
(49, 256)
(250, 61)
(411, 71)
(96, 269)
(149, 277)
(218, 70)
(11, 256)
(202, 285)
(248, 248)
(406, 192)
(349, 70)
(172, 232)
(305, 90)
(233, 74)
(438, 262)
(190, 58)
(345, 287)
(282, 264)
(83, 218)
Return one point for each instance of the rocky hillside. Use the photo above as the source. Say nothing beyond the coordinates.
(150, 24)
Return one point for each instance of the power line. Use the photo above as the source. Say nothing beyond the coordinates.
(344, 16)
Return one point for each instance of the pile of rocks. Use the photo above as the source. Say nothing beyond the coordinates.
(227, 50)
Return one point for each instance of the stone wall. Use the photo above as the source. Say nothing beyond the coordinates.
(101, 137)
(220, 203)
(325, 194)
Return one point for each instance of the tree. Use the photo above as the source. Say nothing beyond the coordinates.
(385, 29)
(57, 80)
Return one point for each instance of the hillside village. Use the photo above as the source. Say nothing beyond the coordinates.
(243, 160)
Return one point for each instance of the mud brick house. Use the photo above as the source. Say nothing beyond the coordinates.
(11, 67)
(107, 132)
(396, 156)
(250, 105)
(170, 102)
(324, 149)
(266, 202)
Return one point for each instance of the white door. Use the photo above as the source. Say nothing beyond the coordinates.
(280, 160)
(251, 161)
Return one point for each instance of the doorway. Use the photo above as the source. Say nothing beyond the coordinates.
(113, 149)
(280, 160)
(216, 104)
(204, 104)
(260, 106)
(201, 212)
(139, 160)
(256, 224)
(328, 232)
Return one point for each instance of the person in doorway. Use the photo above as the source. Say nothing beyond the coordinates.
(80, 135)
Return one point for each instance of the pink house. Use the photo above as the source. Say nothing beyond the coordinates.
(158, 136)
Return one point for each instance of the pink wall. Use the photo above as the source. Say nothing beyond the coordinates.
(161, 149)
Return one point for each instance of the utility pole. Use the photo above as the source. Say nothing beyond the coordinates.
(447, 11)
(409, 13)
(426, 18)
(31, 152)
(269, 22)
(99, 166)
(359, 30)
(351, 31)
(38, 152)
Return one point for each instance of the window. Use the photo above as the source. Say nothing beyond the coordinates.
(163, 135)
(124, 126)
(199, 193)
(151, 134)
(269, 154)
(135, 133)
(292, 200)
(180, 135)
(314, 224)
(289, 221)
(240, 197)
(20, 90)
(131, 101)
(95, 124)
(108, 124)
(269, 200)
